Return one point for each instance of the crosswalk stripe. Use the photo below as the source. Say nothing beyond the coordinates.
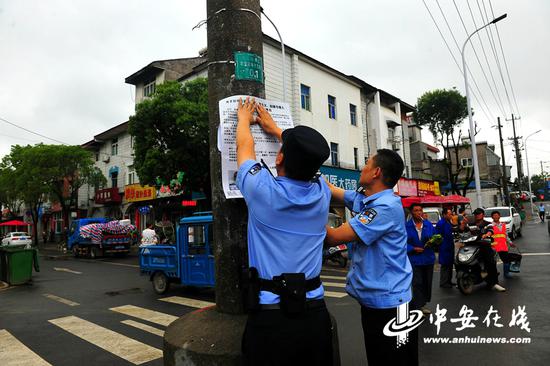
(337, 295)
(61, 300)
(145, 314)
(144, 327)
(15, 353)
(334, 284)
(341, 278)
(119, 345)
(187, 302)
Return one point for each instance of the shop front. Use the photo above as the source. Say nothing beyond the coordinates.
(343, 178)
(139, 205)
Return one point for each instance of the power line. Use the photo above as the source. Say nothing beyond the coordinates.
(498, 101)
(451, 52)
(505, 63)
(34, 133)
(20, 138)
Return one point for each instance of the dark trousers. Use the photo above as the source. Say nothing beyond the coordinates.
(541, 215)
(488, 255)
(273, 339)
(446, 275)
(381, 349)
(421, 285)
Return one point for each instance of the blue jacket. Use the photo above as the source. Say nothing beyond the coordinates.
(447, 247)
(427, 257)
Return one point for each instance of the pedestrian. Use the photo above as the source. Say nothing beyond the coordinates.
(446, 249)
(288, 322)
(380, 275)
(542, 211)
(149, 236)
(419, 232)
(461, 215)
(501, 242)
(484, 229)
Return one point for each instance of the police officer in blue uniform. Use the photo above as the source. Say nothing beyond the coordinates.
(288, 323)
(380, 275)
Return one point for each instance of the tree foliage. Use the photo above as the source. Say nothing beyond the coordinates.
(443, 111)
(171, 136)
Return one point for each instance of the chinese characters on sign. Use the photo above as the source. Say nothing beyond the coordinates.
(136, 192)
(266, 146)
(417, 187)
(249, 66)
(467, 319)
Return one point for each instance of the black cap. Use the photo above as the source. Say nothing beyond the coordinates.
(304, 151)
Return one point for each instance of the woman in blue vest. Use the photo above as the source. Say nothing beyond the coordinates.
(419, 232)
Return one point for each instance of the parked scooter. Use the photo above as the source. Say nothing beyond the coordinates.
(469, 264)
(335, 254)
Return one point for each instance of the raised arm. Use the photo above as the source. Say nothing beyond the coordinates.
(337, 193)
(245, 141)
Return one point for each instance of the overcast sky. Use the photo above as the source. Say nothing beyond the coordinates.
(63, 63)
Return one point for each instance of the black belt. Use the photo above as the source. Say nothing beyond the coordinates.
(275, 285)
(310, 304)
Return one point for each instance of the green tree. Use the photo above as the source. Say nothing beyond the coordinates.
(538, 181)
(443, 111)
(8, 194)
(170, 132)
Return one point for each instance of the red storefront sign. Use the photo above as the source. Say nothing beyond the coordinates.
(407, 187)
(109, 195)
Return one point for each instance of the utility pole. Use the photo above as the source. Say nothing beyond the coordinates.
(233, 25)
(504, 177)
(517, 151)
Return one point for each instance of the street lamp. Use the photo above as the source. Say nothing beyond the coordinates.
(472, 130)
(528, 176)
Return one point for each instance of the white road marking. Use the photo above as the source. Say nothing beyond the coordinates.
(119, 345)
(144, 327)
(66, 270)
(120, 264)
(337, 295)
(334, 284)
(533, 254)
(15, 353)
(341, 278)
(187, 302)
(61, 300)
(145, 314)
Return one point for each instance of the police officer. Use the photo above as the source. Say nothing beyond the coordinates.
(381, 274)
(290, 324)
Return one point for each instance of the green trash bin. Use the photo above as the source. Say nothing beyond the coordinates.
(17, 264)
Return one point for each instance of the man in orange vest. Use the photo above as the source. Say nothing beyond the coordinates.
(501, 242)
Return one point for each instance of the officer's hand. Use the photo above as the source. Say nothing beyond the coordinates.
(418, 249)
(265, 120)
(245, 112)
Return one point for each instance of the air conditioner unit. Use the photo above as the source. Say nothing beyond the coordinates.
(106, 159)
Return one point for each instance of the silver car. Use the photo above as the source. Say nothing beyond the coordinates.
(17, 237)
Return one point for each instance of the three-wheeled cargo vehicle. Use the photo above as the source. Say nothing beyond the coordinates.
(190, 261)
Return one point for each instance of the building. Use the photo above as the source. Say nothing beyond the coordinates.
(425, 163)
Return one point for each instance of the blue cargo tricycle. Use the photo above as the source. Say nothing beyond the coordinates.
(189, 261)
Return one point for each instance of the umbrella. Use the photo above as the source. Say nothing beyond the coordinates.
(15, 223)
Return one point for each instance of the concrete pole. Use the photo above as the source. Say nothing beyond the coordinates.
(237, 28)
(504, 177)
(528, 175)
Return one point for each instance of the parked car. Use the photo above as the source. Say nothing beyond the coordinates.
(17, 237)
(433, 213)
(509, 216)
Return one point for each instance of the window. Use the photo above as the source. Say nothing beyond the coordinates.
(114, 179)
(97, 157)
(196, 239)
(114, 146)
(132, 142)
(391, 139)
(334, 154)
(331, 107)
(355, 158)
(305, 96)
(149, 89)
(131, 177)
(466, 162)
(353, 114)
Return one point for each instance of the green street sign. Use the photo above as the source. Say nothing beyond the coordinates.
(249, 66)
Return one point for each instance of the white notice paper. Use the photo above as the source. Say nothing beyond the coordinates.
(266, 146)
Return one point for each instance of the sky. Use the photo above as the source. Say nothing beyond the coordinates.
(63, 63)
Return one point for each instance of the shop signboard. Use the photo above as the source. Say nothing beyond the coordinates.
(343, 178)
(136, 193)
(407, 187)
(108, 195)
(428, 188)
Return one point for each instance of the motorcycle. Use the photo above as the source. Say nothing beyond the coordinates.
(469, 264)
(335, 255)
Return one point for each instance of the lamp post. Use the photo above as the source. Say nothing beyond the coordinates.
(528, 175)
(472, 129)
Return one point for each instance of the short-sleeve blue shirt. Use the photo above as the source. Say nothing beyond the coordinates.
(286, 225)
(380, 275)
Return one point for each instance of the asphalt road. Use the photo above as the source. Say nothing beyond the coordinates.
(102, 312)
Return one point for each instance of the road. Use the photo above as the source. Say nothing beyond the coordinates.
(102, 312)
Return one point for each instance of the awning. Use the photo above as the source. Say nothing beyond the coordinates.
(435, 200)
(15, 223)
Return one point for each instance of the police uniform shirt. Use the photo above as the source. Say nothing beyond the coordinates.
(286, 225)
(381, 274)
